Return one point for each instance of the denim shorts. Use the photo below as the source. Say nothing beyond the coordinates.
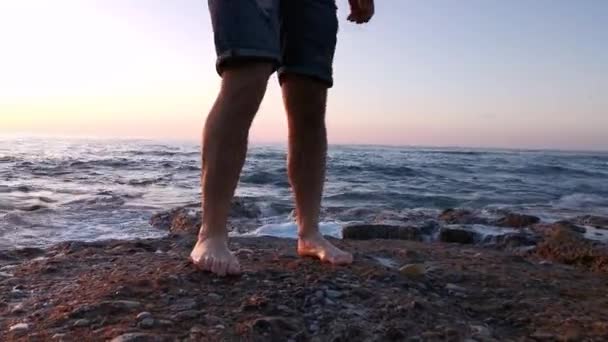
(297, 36)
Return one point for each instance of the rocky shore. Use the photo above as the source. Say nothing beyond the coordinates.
(413, 279)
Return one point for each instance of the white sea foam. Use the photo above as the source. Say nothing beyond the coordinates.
(290, 230)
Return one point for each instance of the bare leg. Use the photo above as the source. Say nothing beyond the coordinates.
(305, 101)
(224, 150)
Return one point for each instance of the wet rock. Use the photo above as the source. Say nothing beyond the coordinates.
(164, 323)
(143, 315)
(333, 294)
(458, 234)
(413, 270)
(380, 231)
(547, 228)
(186, 221)
(214, 297)
(275, 328)
(58, 336)
(456, 290)
(178, 220)
(146, 323)
(105, 308)
(461, 216)
(18, 309)
(137, 337)
(571, 226)
(82, 323)
(540, 335)
(19, 329)
(186, 315)
(244, 207)
(598, 222)
(513, 220)
(512, 241)
(566, 246)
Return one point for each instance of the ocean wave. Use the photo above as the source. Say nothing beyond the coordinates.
(265, 177)
(581, 201)
(548, 170)
(162, 153)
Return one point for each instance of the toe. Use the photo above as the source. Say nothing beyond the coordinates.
(210, 264)
(221, 268)
(234, 268)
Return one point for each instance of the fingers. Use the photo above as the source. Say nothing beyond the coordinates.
(361, 11)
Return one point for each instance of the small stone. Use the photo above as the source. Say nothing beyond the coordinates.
(18, 309)
(458, 234)
(143, 315)
(455, 288)
(82, 323)
(58, 336)
(136, 337)
(413, 270)
(164, 323)
(220, 327)
(314, 327)
(333, 294)
(480, 331)
(19, 328)
(214, 297)
(146, 323)
(543, 336)
(186, 315)
(283, 308)
(319, 294)
(329, 301)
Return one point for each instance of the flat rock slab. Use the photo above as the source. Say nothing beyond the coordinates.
(461, 292)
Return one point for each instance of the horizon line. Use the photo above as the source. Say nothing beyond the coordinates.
(254, 143)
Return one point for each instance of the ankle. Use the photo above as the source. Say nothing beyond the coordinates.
(207, 235)
(309, 235)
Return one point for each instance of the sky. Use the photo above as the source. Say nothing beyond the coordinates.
(478, 73)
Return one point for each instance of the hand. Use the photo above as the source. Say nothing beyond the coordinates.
(361, 11)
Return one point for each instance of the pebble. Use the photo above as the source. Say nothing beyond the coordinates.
(143, 315)
(543, 335)
(283, 308)
(319, 294)
(413, 270)
(333, 294)
(214, 297)
(329, 301)
(164, 323)
(19, 328)
(186, 315)
(18, 309)
(126, 304)
(480, 331)
(314, 327)
(455, 288)
(146, 323)
(82, 323)
(136, 337)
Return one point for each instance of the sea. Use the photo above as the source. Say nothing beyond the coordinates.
(59, 189)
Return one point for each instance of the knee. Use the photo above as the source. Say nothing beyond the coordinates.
(246, 81)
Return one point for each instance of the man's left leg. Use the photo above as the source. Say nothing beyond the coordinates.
(305, 101)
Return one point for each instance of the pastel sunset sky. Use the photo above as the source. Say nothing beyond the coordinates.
(489, 73)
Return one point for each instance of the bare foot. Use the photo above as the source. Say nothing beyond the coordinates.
(317, 246)
(213, 255)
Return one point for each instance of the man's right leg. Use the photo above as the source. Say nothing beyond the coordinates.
(224, 150)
